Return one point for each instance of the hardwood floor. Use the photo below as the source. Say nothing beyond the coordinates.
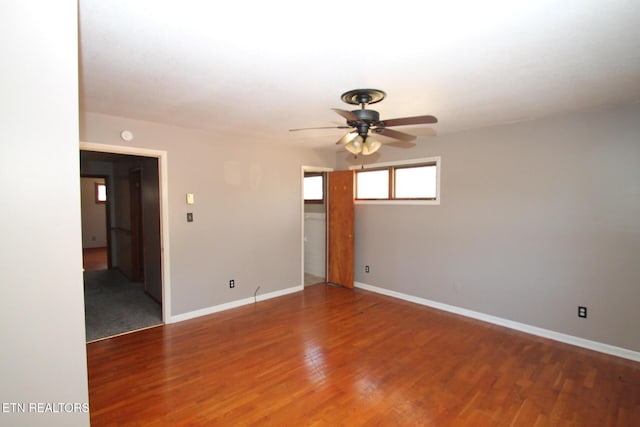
(94, 259)
(310, 279)
(337, 357)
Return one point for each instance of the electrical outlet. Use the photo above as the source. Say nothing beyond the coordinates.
(232, 283)
(366, 268)
(189, 217)
(582, 312)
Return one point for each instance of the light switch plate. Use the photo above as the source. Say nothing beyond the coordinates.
(190, 199)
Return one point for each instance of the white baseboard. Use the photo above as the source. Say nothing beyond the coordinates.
(545, 333)
(233, 304)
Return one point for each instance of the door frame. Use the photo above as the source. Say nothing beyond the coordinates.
(304, 169)
(163, 184)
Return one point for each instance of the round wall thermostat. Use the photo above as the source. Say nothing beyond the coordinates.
(126, 135)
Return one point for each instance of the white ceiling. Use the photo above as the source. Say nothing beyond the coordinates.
(257, 69)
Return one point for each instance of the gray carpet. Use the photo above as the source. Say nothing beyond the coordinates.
(114, 305)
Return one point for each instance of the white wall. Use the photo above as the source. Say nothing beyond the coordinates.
(536, 218)
(43, 356)
(230, 238)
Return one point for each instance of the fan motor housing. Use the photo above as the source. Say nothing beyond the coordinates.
(367, 116)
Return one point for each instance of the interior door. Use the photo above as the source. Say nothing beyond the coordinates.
(340, 219)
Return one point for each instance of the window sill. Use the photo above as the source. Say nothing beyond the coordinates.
(397, 202)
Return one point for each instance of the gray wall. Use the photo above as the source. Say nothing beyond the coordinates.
(229, 238)
(536, 218)
(43, 353)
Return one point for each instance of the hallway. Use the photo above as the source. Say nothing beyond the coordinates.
(114, 305)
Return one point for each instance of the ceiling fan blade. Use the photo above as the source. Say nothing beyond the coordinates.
(395, 134)
(347, 115)
(403, 121)
(347, 138)
(322, 127)
(402, 144)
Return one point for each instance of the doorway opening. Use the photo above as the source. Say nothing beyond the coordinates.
(314, 225)
(131, 293)
(95, 222)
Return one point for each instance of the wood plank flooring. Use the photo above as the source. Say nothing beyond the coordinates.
(94, 259)
(330, 356)
(310, 279)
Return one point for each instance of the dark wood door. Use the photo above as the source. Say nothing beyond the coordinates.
(340, 228)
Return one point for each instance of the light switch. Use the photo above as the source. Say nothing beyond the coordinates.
(189, 217)
(190, 199)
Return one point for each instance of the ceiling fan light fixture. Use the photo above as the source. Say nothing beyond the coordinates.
(370, 147)
(352, 136)
(365, 120)
(355, 145)
(353, 150)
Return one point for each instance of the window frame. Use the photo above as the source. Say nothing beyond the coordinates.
(324, 196)
(391, 167)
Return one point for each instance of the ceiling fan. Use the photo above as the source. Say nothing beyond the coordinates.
(364, 122)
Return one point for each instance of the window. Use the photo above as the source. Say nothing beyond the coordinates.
(101, 192)
(372, 184)
(314, 188)
(415, 182)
